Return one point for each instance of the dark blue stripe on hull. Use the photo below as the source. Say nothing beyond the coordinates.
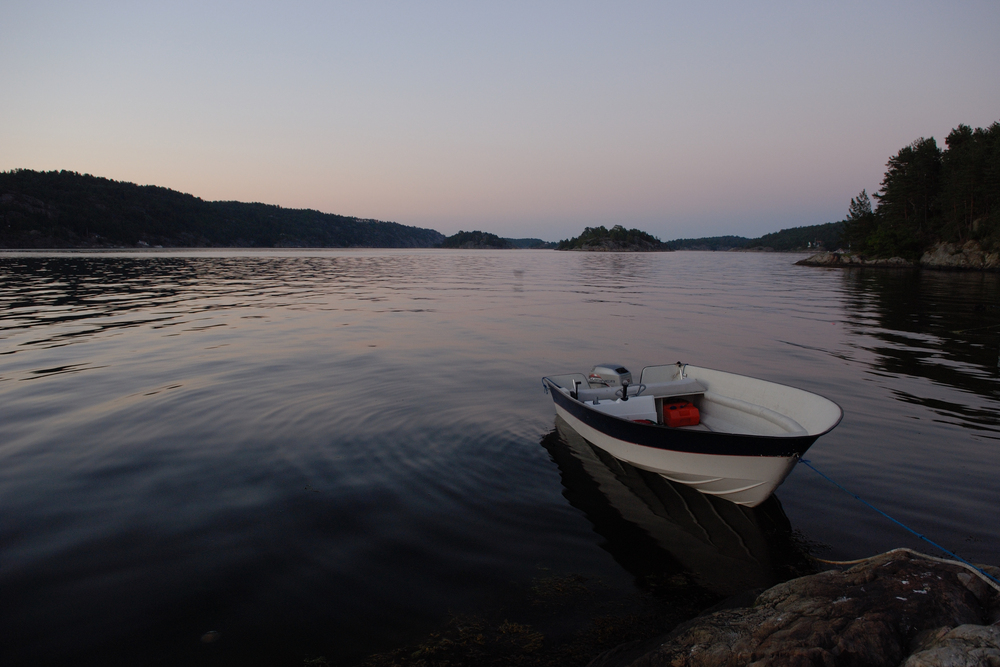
(682, 440)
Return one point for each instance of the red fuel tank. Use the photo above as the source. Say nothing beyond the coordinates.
(680, 413)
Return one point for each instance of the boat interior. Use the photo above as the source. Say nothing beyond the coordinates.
(726, 402)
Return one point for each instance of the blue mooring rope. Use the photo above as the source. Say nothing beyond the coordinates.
(899, 523)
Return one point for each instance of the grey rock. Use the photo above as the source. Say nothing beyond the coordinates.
(967, 256)
(842, 258)
(964, 646)
(876, 613)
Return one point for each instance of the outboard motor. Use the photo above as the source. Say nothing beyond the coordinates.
(609, 375)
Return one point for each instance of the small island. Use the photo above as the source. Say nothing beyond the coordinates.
(616, 239)
(476, 240)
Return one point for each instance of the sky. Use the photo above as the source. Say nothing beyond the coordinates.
(525, 119)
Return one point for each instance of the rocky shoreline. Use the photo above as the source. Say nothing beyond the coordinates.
(944, 256)
(900, 608)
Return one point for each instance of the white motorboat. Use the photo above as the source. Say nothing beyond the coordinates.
(737, 437)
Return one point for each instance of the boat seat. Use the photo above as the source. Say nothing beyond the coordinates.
(685, 387)
(604, 393)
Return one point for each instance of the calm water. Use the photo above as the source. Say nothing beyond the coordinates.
(329, 452)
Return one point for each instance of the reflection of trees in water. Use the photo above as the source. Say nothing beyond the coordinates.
(936, 325)
(614, 276)
(92, 294)
(615, 269)
(669, 536)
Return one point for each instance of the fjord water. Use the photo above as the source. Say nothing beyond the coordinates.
(329, 452)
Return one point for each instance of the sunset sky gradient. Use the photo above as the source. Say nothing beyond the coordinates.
(526, 119)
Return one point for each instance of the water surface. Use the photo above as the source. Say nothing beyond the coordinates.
(329, 452)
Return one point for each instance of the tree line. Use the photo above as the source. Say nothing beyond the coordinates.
(62, 209)
(826, 236)
(929, 194)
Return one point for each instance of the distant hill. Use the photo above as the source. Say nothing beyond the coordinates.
(616, 239)
(478, 240)
(65, 209)
(709, 243)
(821, 237)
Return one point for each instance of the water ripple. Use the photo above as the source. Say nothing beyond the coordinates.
(353, 437)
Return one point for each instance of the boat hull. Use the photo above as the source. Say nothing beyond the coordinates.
(742, 468)
(724, 547)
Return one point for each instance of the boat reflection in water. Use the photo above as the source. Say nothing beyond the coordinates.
(667, 533)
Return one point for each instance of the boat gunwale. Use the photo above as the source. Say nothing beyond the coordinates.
(662, 437)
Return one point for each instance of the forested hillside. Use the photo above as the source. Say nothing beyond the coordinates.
(823, 237)
(66, 209)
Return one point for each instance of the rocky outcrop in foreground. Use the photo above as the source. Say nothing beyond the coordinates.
(899, 608)
(968, 256)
